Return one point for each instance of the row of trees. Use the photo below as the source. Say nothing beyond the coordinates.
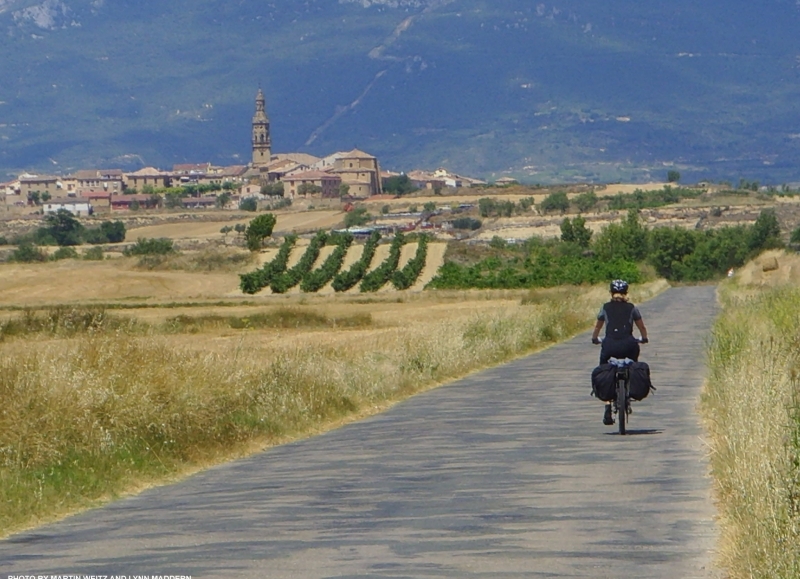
(64, 229)
(618, 251)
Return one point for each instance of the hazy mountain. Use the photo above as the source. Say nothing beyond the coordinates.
(557, 90)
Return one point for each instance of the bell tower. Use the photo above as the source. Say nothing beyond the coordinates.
(262, 144)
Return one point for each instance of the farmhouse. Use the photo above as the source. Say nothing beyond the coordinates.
(78, 207)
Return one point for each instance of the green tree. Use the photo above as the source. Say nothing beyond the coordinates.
(248, 204)
(258, 230)
(575, 231)
(557, 201)
(766, 232)
(626, 240)
(429, 207)
(399, 185)
(357, 217)
(114, 231)
(223, 199)
(64, 228)
(385, 210)
(46, 197)
(309, 189)
(344, 190)
(586, 201)
(669, 248)
(135, 205)
(673, 176)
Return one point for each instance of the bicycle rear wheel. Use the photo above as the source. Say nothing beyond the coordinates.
(622, 408)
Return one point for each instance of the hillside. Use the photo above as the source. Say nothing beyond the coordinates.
(568, 90)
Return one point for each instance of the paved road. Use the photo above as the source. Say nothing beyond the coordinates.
(508, 473)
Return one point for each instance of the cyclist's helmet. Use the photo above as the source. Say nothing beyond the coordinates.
(619, 286)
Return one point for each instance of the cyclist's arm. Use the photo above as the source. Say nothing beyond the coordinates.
(597, 327)
(642, 330)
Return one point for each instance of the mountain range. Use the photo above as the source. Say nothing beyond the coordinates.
(557, 90)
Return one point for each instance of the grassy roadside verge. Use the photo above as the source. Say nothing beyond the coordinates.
(97, 412)
(751, 406)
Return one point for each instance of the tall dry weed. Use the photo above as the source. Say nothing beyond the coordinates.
(104, 413)
(752, 409)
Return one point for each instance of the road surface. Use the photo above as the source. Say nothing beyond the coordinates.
(508, 473)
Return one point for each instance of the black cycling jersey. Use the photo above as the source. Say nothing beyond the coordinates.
(619, 318)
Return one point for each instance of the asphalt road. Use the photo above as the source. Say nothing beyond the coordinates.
(508, 473)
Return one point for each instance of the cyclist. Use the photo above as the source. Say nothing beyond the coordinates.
(619, 317)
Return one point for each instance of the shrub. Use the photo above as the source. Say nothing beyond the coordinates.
(255, 281)
(27, 253)
(64, 253)
(557, 201)
(467, 223)
(348, 279)
(406, 277)
(377, 278)
(249, 204)
(283, 282)
(357, 217)
(314, 280)
(145, 246)
(93, 254)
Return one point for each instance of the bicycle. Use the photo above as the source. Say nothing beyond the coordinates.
(622, 398)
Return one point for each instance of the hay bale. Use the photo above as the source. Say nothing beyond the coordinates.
(769, 264)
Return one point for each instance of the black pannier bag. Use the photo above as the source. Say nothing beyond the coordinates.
(604, 379)
(640, 384)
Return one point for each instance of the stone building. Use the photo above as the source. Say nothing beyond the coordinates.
(262, 142)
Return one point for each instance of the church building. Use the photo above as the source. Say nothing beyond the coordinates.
(262, 143)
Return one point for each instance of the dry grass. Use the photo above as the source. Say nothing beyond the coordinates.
(751, 405)
(91, 416)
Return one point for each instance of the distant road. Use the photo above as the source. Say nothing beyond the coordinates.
(508, 473)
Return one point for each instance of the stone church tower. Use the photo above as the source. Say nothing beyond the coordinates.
(262, 143)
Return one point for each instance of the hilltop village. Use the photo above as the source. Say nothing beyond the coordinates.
(347, 176)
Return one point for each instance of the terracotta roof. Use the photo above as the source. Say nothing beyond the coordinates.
(355, 154)
(233, 171)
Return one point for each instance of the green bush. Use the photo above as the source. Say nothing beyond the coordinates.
(27, 253)
(64, 253)
(145, 246)
(467, 223)
(285, 281)
(377, 278)
(314, 280)
(93, 254)
(348, 279)
(557, 201)
(255, 281)
(406, 277)
(249, 204)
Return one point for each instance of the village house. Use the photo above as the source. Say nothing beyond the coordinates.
(149, 176)
(100, 200)
(327, 184)
(77, 206)
(110, 180)
(128, 202)
(49, 186)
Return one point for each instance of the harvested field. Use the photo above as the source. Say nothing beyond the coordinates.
(288, 222)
